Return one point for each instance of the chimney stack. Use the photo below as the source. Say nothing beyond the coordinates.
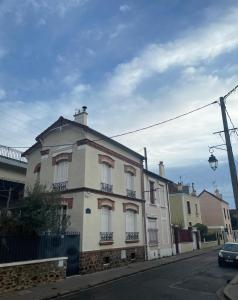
(161, 169)
(217, 193)
(81, 117)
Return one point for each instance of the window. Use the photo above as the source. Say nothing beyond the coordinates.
(228, 214)
(131, 226)
(188, 208)
(106, 178)
(152, 192)
(196, 209)
(130, 185)
(37, 171)
(106, 235)
(63, 218)
(163, 195)
(230, 229)
(153, 231)
(190, 224)
(61, 171)
(224, 210)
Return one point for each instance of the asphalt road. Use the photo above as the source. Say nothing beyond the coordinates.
(196, 278)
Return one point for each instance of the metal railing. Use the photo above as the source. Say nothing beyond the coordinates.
(60, 186)
(106, 236)
(105, 187)
(12, 153)
(132, 236)
(131, 194)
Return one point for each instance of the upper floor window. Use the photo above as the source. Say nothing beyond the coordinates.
(228, 214)
(224, 210)
(188, 208)
(106, 178)
(37, 171)
(61, 171)
(152, 192)
(162, 195)
(130, 185)
(196, 209)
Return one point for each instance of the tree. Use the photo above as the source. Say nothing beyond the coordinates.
(39, 212)
(202, 228)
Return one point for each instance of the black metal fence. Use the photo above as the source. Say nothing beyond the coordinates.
(14, 248)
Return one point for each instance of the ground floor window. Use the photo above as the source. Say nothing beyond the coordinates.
(152, 231)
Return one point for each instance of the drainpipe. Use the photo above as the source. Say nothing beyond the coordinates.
(169, 210)
(143, 211)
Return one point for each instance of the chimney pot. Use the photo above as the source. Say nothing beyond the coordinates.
(161, 169)
(81, 117)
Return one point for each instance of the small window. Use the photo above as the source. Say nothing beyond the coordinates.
(152, 192)
(162, 195)
(196, 209)
(190, 224)
(224, 210)
(228, 214)
(133, 256)
(106, 260)
(188, 208)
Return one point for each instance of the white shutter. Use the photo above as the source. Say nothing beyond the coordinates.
(130, 221)
(130, 181)
(105, 219)
(61, 171)
(106, 174)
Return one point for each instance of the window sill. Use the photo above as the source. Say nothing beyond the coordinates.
(132, 241)
(153, 244)
(106, 242)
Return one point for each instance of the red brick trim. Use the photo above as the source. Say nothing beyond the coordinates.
(105, 242)
(109, 151)
(130, 206)
(37, 168)
(133, 241)
(106, 202)
(68, 201)
(104, 159)
(61, 157)
(45, 152)
(130, 169)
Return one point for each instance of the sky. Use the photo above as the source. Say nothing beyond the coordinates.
(133, 64)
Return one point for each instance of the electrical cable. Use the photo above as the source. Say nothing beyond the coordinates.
(132, 131)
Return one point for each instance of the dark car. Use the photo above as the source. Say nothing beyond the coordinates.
(228, 254)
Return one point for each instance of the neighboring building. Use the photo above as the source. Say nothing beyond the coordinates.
(100, 184)
(215, 213)
(12, 177)
(158, 228)
(185, 207)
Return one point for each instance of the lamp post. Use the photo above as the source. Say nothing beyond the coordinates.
(213, 162)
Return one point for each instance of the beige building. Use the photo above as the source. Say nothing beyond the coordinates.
(158, 228)
(215, 213)
(100, 183)
(185, 206)
(12, 177)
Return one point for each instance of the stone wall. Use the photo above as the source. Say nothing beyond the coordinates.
(93, 261)
(26, 274)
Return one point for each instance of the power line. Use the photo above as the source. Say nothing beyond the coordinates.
(136, 130)
(230, 92)
(231, 122)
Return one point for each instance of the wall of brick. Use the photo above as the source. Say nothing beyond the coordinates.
(93, 261)
(22, 275)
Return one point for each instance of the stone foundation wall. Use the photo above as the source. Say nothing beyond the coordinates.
(22, 275)
(93, 261)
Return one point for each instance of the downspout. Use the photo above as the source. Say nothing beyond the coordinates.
(143, 211)
(170, 225)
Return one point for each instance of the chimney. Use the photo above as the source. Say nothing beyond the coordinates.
(180, 187)
(217, 193)
(161, 169)
(81, 117)
(194, 192)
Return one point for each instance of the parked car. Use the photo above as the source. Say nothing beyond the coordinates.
(228, 254)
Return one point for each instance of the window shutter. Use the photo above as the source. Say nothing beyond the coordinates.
(130, 181)
(61, 171)
(130, 221)
(106, 174)
(105, 219)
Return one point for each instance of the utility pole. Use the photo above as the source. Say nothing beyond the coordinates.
(231, 160)
(146, 162)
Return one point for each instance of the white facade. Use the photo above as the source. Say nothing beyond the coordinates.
(157, 213)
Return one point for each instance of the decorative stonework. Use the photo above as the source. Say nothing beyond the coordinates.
(106, 202)
(61, 157)
(130, 206)
(104, 159)
(23, 276)
(130, 169)
(45, 152)
(93, 261)
(37, 168)
(68, 201)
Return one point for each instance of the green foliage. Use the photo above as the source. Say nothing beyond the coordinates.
(202, 228)
(210, 237)
(39, 213)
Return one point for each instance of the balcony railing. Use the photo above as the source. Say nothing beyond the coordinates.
(12, 153)
(153, 236)
(131, 193)
(106, 236)
(105, 187)
(60, 186)
(132, 236)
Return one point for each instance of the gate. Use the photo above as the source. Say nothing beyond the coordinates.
(15, 248)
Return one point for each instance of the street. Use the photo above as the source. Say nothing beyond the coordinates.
(195, 278)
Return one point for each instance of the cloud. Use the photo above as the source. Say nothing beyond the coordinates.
(2, 94)
(198, 46)
(124, 8)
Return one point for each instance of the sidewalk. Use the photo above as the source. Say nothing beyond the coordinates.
(76, 283)
(231, 290)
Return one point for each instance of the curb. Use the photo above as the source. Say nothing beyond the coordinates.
(74, 292)
(228, 290)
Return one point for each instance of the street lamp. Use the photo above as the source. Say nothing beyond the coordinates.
(213, 162)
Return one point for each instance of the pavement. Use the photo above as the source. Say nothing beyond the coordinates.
(75, 284)
(231, 290)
